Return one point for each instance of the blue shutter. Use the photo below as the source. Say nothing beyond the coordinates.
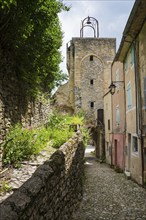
(117, 114)
(129, 97)
(126, 64)
(132, 55)
(117, 79)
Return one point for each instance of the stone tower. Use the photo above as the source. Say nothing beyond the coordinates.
(89, 64)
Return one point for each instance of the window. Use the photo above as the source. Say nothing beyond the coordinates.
(91, 82)
(117, 79)
(132, 56)
(135, 144)
(129, 97)
(108, 124)
(126, 64)
(80, 102)
(107, 146)
(128, 150)
(92, 104)
(144, 92)
(106, 106)
(117, 115)
(110, 150)
(91, 58)
(100, 116)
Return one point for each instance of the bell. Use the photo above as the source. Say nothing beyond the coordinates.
(88, 21)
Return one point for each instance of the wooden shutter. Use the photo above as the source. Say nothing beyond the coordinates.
(129, 97)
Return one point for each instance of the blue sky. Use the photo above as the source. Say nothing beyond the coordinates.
(112, 16)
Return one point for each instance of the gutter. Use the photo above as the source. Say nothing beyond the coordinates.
(127, 31)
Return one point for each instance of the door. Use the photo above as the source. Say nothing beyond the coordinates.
(116, 152)
(129, 151)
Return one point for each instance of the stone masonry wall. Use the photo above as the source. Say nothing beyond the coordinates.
(53, 191)
(14, 105)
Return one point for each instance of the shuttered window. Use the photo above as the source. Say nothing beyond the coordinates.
(129, 97)
(117, 79)
(117, 115)
(126, 64)
(132, 55)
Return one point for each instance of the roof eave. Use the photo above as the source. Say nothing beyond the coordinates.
(139, 9)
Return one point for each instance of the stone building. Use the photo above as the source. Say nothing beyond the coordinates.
(89, 63)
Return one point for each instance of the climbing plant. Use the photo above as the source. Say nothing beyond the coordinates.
(30, 32)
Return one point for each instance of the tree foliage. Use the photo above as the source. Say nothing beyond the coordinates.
(30, 32)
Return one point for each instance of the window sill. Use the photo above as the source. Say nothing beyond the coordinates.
(135, 154)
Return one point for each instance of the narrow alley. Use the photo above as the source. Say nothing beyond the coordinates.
(109, 195)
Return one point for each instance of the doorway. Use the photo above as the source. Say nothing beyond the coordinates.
(116, 152)
(129, 151)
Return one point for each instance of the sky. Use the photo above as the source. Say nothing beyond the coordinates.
(112, 16)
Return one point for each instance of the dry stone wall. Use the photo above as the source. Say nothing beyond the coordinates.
(53, 191)
(15, 106)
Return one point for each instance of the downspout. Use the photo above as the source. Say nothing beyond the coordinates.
(138, 102)
(125, 126)
(112, 119)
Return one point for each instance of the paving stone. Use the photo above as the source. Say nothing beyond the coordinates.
(109, 195)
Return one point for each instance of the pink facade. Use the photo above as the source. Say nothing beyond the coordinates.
(118, 116)
(118, 151)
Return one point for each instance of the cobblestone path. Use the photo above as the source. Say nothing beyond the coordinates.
(109, 195)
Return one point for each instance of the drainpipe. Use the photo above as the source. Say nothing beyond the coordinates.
(138, 102)
(125, 125)
(112, 119)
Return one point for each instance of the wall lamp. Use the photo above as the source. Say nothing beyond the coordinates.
(112, 86)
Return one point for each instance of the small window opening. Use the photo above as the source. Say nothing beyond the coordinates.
(135, 144)
(91, 58)
(108, 124)
(91, 82)
(92, 104)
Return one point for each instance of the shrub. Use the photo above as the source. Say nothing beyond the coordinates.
(59, 137)
(21, 143)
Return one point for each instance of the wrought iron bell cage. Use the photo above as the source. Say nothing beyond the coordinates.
(90, 22)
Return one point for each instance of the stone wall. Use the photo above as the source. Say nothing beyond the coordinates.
(15, 106)
(53, 191)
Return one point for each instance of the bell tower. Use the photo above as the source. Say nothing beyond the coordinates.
(89, 63)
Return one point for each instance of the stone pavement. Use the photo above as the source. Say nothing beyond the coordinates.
(109, 195)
